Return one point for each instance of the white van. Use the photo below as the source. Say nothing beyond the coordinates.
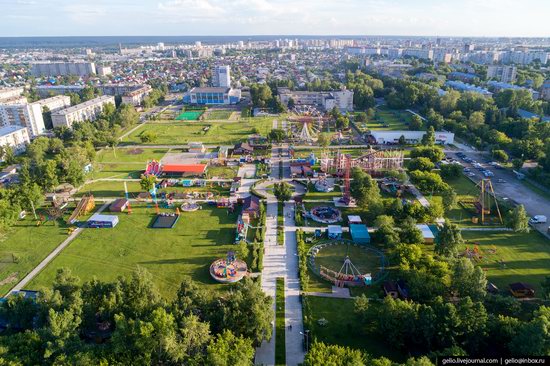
(538, 219)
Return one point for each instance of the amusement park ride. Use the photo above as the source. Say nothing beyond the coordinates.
(310, 122)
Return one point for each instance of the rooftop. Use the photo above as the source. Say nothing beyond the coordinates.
(10, 129)
(80, 106)
(210, 89)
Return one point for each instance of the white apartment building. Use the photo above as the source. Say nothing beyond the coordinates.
(30, 115)
(505, 74)
(136, 97)
(545, 91)
(419, 53)
(63, 68)
(87, 111)
(104, 70)
(16, 137)
(221, 77)
(341, 99)
(8, 93)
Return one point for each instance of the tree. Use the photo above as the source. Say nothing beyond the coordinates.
(385, 233)
(500, 155)
(228, 350)
(518, 220)
(428, 181)
(9, 214)
(291, 103)
(324, 139)
(416, 123)
(7, 154)
(449, 199)
(429, 137)
(332, 355)
(148, 136)
(49, 176)
(283, 191)
(409, 233)
(421, 163)
(545, 285)
(147, 182)
(277, 134)
(242, 250)
(361, 117)
(451, 171)
(434, 153)
(448, 240)
(468, 280)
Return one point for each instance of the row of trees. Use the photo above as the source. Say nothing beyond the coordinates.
(135, 324)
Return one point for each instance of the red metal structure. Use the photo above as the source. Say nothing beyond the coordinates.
(347, 189)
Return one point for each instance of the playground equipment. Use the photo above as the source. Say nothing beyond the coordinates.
(325, 214)
(166, 220)
(86, 205)
(348, 275)
(242, 230)
(346, 198)
(372, 162)
(190, 206)
(484, 203)
(153, 167)
(229, 269)
(323, 185)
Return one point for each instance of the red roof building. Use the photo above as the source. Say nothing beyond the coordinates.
(184, 169)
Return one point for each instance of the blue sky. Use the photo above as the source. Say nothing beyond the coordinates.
(257, 17)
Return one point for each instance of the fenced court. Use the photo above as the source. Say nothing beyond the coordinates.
(189, 115)
(218, 115)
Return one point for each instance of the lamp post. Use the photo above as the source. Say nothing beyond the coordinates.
(306, 335)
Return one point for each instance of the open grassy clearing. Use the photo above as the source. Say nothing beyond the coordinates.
(116, 189)
(29, 244)
(344, 328)
(223, 133)
(386, 120)
(132, 155)
(187, 250)
(218, 115)
(509, 257)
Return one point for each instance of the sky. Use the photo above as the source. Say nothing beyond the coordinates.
(488, 18)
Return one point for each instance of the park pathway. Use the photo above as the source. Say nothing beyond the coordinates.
(274, 265)
(51, 256)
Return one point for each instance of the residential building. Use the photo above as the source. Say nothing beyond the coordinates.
(136, 97)
(326, 100)
(104, 70)
(545, 90)
(221, 77)
(505, 74)
(426, 54)
(464, 87)
(212, 95)
(87, 111)
(63, 68)
(15, 136)
(496, 86)
(30, 115)
(8, 93)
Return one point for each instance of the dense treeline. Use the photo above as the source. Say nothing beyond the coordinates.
(127, 322)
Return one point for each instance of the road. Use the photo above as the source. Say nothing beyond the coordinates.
(510, 189)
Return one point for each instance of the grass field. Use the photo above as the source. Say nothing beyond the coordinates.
(511, 257)
(333, 257)
(387, 120)
(218, 114)
(344, 328)
(224, 133)
(116, 189)
(127, 163)
(280, 325)
(226, 172)
(187, 250)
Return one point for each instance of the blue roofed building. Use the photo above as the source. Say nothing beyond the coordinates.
(359, 233)
(212, 96)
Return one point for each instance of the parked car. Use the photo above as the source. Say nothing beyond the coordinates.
(538, 219)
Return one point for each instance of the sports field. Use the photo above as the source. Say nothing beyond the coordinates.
(189, 116)
(387, 120)
(224, 133)
(218, 115)
(169, 255)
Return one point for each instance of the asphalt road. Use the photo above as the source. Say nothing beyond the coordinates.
(510, 187)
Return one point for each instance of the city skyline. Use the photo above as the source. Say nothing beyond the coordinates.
(469, 18)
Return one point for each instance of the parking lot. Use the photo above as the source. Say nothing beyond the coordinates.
(507, 187)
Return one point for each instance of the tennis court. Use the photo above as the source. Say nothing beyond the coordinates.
(189, 116)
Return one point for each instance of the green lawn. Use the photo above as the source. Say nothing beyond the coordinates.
(223, 133)
(30, 244)
(226, 172)
(312, 194)
(280, 325)
(387, 120)
(518, 257)
(123, 163)
(116, 189)
(344, 328)
(187, 250)
(218, 114)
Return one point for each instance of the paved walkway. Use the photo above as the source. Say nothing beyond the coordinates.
(51, 256)
(293, 306)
